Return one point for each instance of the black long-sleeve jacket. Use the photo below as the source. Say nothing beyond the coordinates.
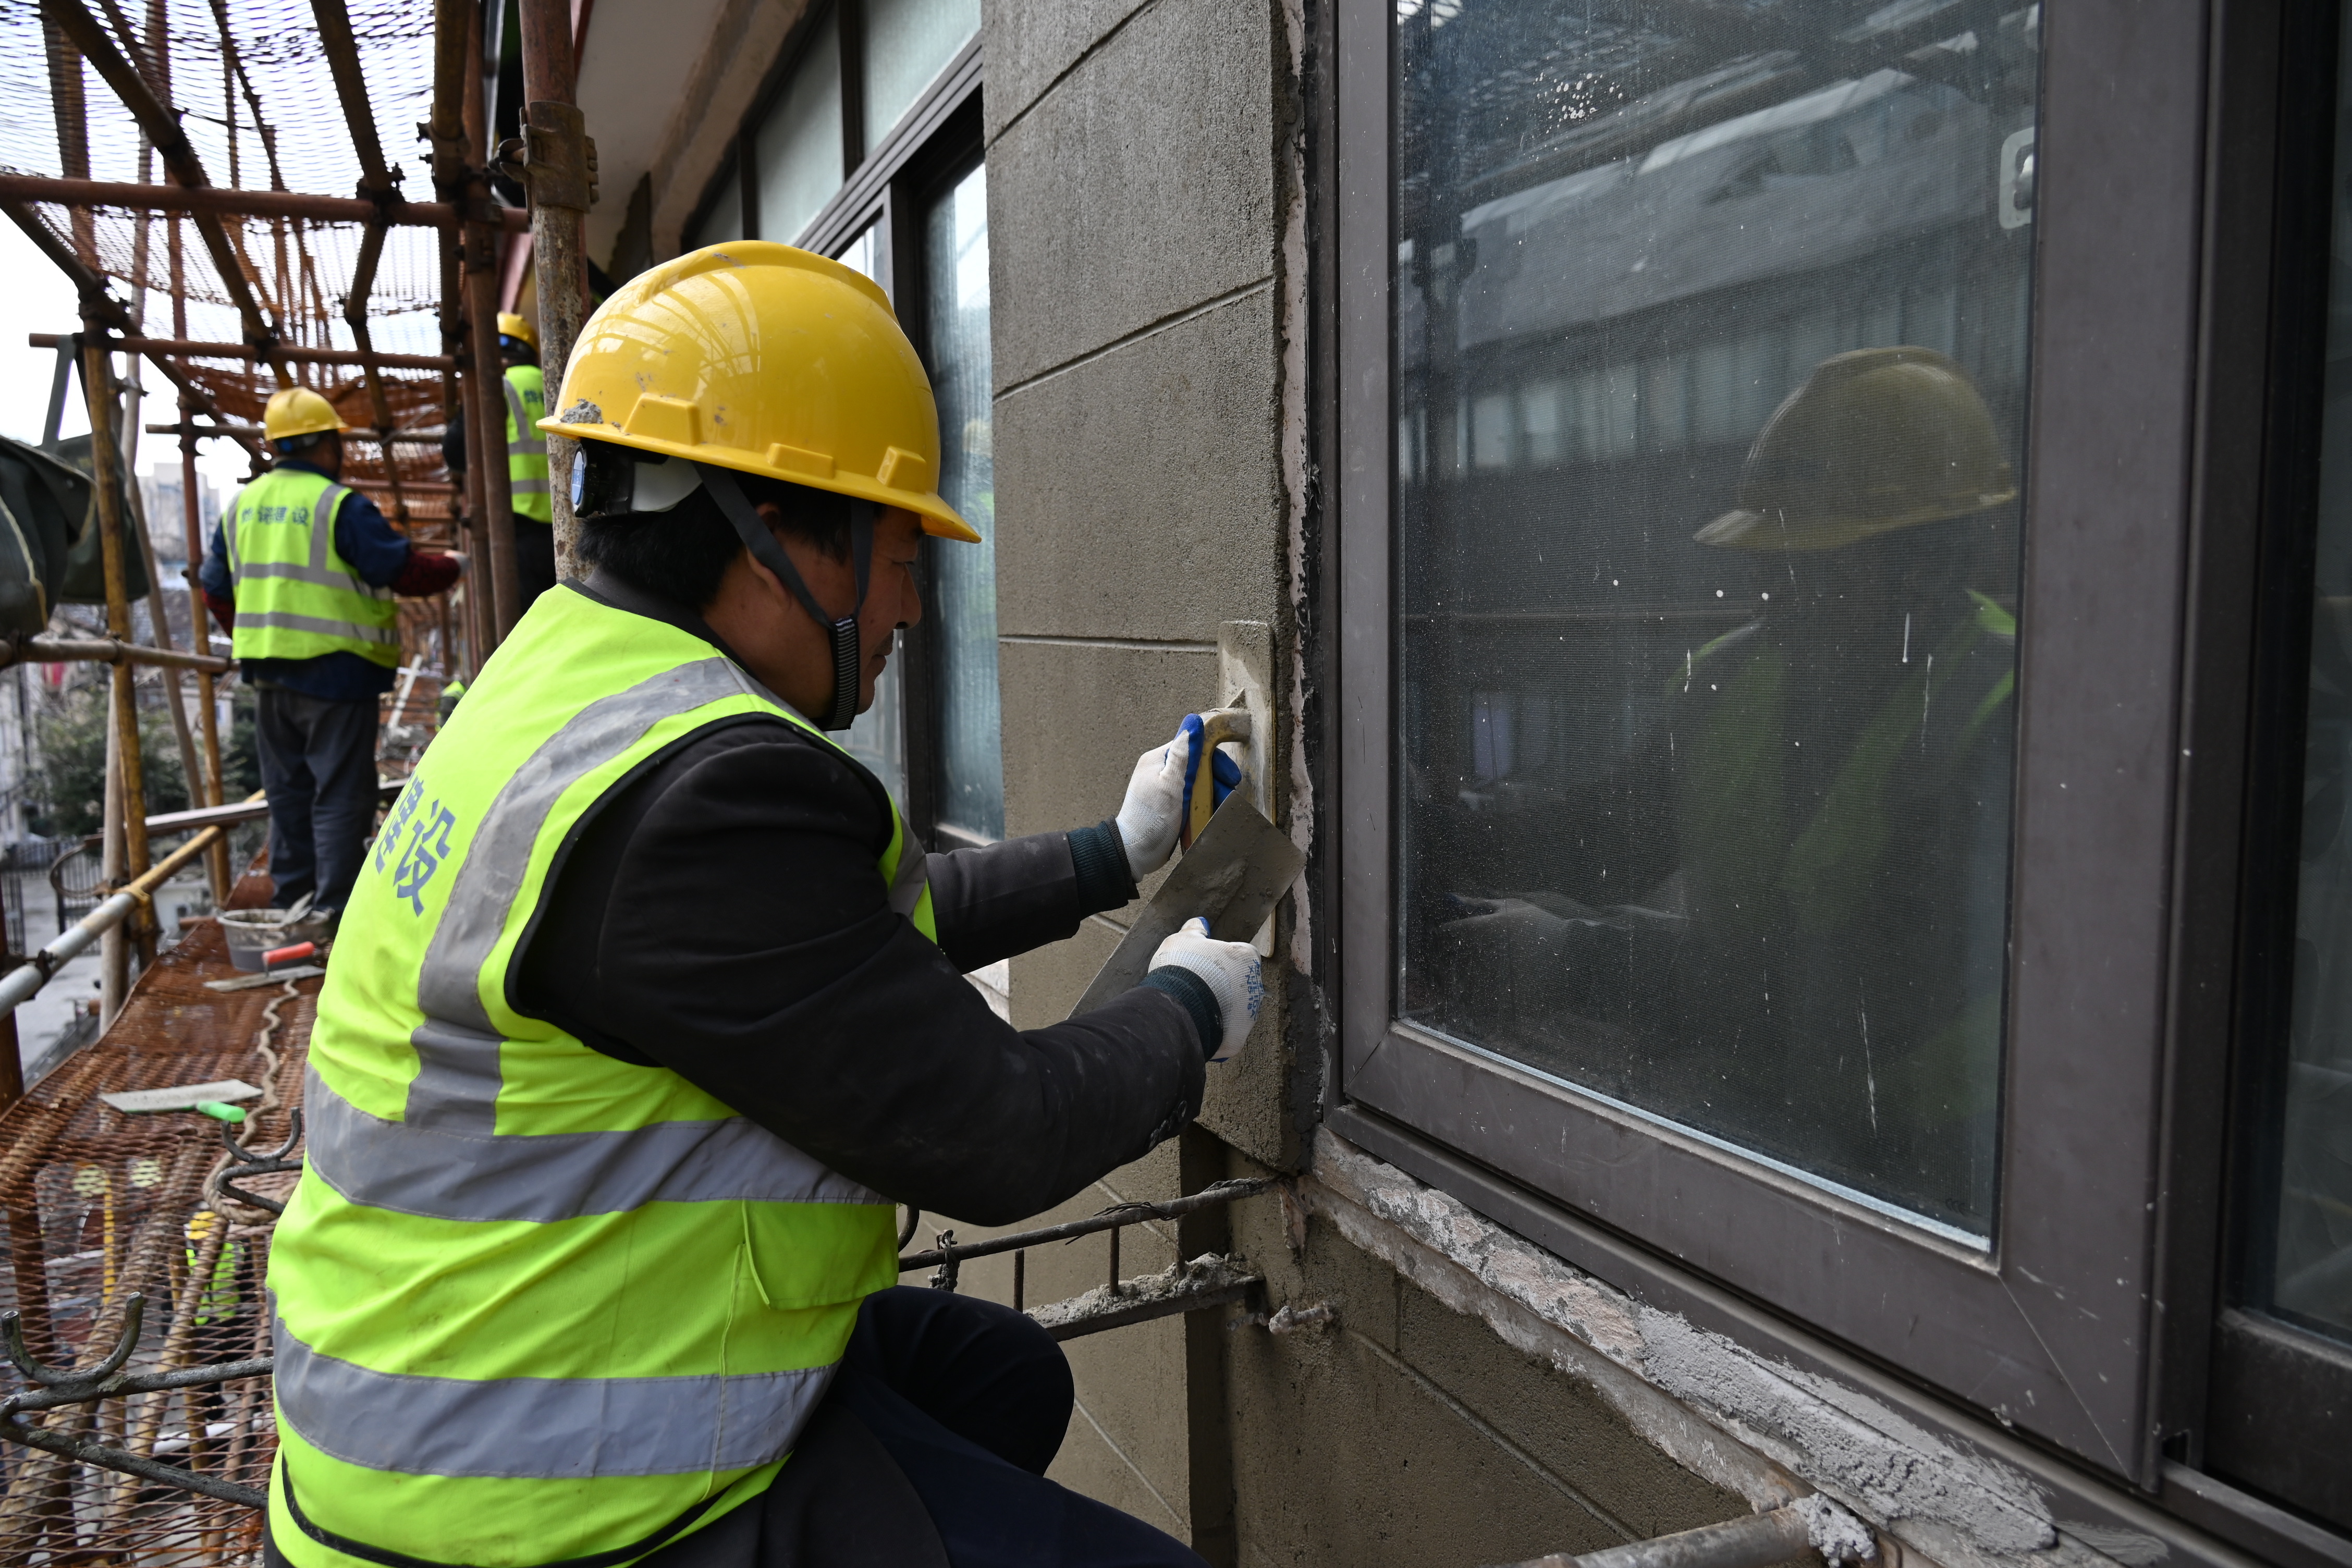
(722, 915)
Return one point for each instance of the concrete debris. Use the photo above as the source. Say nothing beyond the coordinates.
(581, 412)
(1836, 1535)
(1290, 1320)
(1203, 1274)
(1766, 1430)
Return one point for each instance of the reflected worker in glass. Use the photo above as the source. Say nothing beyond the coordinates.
(1815, 831)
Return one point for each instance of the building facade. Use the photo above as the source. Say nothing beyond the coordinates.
(1792, 562)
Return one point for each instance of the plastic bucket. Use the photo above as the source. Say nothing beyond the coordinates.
(252, 932)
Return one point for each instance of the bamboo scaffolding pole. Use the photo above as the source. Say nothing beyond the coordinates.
(224, 201)
(163, 127)
(183, 348)
(43, 648)
(560, 161)
(106, 483)
(486, 432)
(99, 305)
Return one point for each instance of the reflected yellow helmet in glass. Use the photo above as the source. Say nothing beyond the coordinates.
(299, 411)
(513, 326)
(1875, 441)
(768, 360)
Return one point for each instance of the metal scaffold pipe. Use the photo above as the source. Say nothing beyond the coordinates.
(27, 978)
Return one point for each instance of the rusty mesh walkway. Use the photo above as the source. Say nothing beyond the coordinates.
(100, 1206)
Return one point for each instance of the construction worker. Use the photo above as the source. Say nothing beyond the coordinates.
(1783, 920)
(302, 574)
(650, 1007)
(534, 505)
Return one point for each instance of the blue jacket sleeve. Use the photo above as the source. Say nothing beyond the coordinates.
(365, 540)
(214, 573)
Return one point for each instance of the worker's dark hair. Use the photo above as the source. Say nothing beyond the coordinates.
(680, 554)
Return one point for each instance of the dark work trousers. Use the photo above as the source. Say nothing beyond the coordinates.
(318, 764)
(534, 561)
(931, 1448)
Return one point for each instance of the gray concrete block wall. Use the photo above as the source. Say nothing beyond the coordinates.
(1407, 1435)
(1136, 229)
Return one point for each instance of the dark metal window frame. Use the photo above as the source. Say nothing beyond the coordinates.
(935, 142)
(2052, 1332)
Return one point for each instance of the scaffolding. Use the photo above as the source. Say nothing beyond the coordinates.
(237, 226)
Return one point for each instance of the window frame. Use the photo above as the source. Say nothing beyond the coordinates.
(2051, 1331)
(2275, 1397)
(939, 138)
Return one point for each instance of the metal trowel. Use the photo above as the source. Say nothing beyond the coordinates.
(1235, 872)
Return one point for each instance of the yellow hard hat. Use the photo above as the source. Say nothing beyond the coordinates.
(1875, 441)
(513, 326)
(299, 411)
(767, 359)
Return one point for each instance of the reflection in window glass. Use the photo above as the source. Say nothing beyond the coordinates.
(2304, 1273)
(878, 736)
(908, 43)
(964, 577)
(1710, 387)
(797, 149)
(724, 221)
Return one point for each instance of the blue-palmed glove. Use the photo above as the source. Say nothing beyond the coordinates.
(1160, 794)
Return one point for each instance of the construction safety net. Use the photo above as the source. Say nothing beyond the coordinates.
(103, 1205)
(249, 81)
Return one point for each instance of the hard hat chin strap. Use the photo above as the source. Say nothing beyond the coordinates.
(762, 542)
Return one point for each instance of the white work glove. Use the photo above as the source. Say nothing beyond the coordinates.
(1229, 969)
(1159, 789)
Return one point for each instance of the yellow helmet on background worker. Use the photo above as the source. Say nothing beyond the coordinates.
(1875, 441)
(299, 411)
(766, 360)
(519, 328)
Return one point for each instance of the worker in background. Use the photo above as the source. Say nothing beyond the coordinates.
(303, 574)
(649, 1006)
(533, 504)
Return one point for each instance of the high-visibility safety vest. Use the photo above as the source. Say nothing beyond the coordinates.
(532, 1303)
(526, 448)
(297, 597)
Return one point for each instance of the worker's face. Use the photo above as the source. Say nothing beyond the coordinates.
(792, 654)
(327, 457)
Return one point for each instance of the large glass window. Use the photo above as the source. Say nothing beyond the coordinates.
(878, 737)
(798, 149)
(724, 221)
(908, 43)
(970, 752)
(1710, 333)
(2301, 1264)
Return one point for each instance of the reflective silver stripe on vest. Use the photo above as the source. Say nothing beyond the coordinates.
(914, 874)
(540, 1428)
(456, 1082)
(285, 621)
(529, 487)
(528, 441)
(325, 577)
(547, 1177)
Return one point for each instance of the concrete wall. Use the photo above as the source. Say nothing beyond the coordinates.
(1144, 230)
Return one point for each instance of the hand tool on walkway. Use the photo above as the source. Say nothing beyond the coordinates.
(1236, 870)
(183, 1096)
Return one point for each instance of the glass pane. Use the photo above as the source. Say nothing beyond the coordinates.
(1710, 338)
(797, 149)
(964, 577)
(2304, 1274)
(725, 220)
(908, 43)
(878, 737)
